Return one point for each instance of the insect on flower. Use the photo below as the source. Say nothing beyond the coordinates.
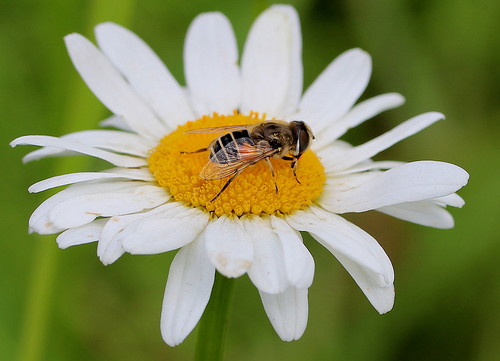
(248, 144)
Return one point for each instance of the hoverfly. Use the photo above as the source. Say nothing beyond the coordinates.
(244, 145)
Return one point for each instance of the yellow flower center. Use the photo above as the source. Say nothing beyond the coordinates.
(252, 191)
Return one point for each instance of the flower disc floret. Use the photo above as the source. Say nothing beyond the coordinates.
(253, 191)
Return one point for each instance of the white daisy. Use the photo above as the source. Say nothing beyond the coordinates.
(155, 201)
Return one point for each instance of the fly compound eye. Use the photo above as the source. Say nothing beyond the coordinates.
(302, 136)
(304, 140)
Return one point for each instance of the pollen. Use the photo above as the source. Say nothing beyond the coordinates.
(253, 191)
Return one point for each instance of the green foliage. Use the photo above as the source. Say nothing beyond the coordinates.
(442, 55)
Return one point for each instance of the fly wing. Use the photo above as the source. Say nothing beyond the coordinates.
(225, 129)
(245, 156)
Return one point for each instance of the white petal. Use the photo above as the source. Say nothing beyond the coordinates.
(46, 152)
(145, 72)
(329, 155)
(365, 166)
(376, 145)
(426, 213)
(287, 312)
(335, 90)
(82, 209)
(229, 246)
(116, 122)
(453, 200)
(363, 111)
(339, 146)
(187, 293)
(116, 141)
(110, 248)
(172, 226)
(81, 235)
(72, 178)
(359, 253)
(271, 63)
(344, 183)
(132, 173)
(299, 263)
(267, 272)
(409, 182)
(40, 221)
(115, 159)
(211, 65)
(111, 88)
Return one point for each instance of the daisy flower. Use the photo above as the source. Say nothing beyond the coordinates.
(153, 199)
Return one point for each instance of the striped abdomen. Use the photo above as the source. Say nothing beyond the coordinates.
(225, 149)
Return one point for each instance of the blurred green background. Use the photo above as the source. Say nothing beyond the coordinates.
(442, 55)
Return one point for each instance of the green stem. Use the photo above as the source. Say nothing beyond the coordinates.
(37, 308)
(213, 324)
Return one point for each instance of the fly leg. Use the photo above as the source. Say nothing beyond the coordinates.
(293, 165)
(294, 168)
(196, 151)
(225, 186)
(272, 172)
